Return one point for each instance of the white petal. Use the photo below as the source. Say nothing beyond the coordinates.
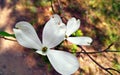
(56, 18)
(40, 52)
(72, 26)
(26, 35)
(53, 34)
(63, 62)
(80, 40)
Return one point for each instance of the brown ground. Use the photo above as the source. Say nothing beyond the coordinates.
(17, 60)
(14, 59)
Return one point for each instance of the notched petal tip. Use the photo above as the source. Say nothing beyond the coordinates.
(80, 40)
(26, 35)
(15, 28)
(72, 26)
(78, 22)
(53, 34)
(89, 40)
(56, 18)
(19, 24)
(55, 15)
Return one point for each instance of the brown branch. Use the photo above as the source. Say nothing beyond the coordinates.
(106, 69)
(102, 51)
(61, 8)
(97, 52)
(7, 38)
(113, 69)
(109, 46)
(52, 6)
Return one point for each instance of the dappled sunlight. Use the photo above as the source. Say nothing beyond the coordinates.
(30, 61)
(4, 16)
(6, 44)
(91, 68)
(99, 20)
(20, 8)
(43, 14)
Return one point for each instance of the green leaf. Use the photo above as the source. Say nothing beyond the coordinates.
(74, 48)
(3, 33)
(77, 33)
(117, 66)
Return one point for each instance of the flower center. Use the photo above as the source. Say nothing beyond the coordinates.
(44, 49)
(16, 28)
(58, 23)
(66, 36)
(88, 42)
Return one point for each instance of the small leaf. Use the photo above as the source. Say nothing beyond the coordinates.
(74, 48)
(117, 66)
(77, 33)
(3, 33)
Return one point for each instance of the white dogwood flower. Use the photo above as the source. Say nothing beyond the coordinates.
(71, 27)
(65, 63)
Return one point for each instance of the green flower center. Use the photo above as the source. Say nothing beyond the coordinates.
(44, 49)
(16, 28)
(66, 36)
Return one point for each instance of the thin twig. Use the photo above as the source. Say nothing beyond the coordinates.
(61, 8)
(52, 6)
(109, 46)
(98, 52)
(106, 69)
(101, 51)
(113, 69)
(7, 38)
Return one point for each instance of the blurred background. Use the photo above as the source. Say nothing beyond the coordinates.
(100, 20)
